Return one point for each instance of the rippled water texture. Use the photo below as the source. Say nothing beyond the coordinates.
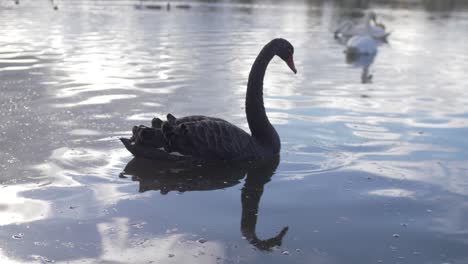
(369, 173)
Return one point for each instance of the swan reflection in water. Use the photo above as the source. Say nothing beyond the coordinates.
(166, 176)
(362, 60)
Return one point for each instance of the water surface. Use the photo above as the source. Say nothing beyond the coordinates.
(369, 173)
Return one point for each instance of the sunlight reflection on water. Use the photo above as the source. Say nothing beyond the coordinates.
(357, 160)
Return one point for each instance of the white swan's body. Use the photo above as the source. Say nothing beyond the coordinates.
(349, 29)
(361, 45)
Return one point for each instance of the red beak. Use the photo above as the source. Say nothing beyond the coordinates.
(290, 63)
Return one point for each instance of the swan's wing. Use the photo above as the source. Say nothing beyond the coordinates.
(344, 27)
(360, 29)
(209, 138)
(344, 30)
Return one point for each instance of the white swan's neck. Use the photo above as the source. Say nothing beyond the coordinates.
(368, 23)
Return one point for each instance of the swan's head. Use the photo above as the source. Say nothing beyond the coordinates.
(285, 51)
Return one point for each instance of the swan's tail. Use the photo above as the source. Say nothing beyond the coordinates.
(148, 136)
(144, 151)
(385, 37)
(153, 136)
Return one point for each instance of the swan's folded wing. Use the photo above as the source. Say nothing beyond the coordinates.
(213, 139)
(150, 152)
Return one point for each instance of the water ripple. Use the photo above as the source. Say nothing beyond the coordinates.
(75, 80)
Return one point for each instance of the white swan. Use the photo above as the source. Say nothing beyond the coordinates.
(349, 29)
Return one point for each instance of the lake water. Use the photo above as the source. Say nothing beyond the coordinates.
(369, 173)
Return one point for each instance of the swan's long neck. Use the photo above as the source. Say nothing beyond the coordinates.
(369, 23)
(259, 125)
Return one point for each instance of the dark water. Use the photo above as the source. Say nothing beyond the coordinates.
(369, 173)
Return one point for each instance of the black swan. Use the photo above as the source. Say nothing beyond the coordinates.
(209, 138)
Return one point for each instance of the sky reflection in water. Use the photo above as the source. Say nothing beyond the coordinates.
(368, 172)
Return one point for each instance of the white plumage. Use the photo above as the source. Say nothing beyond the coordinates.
(361, 45)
